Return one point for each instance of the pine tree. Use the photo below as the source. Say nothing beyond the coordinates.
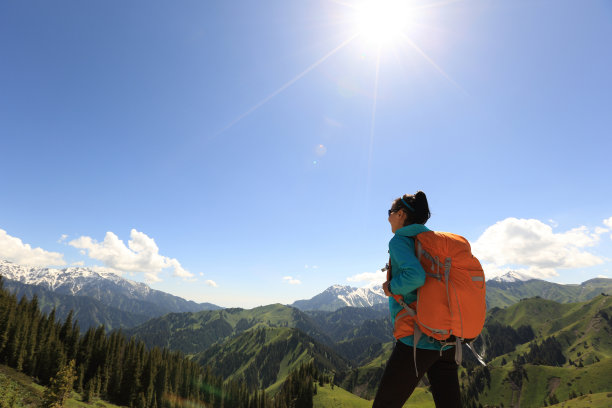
(60, 387)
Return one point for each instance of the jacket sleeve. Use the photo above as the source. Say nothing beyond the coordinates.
(408, 274)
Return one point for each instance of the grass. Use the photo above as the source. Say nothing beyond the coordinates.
(420, 398)
(340, 398)
(20, 391)
(599, 400)
(541, 380)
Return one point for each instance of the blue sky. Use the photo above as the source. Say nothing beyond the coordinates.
(249, 150)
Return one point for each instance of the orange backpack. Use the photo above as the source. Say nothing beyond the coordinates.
(452, 300)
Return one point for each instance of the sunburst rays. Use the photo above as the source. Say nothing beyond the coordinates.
(401, 36)
(287, 84)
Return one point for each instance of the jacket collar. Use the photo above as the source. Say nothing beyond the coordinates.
(412, 230)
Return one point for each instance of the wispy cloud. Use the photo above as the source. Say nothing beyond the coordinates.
(13, 249)
(333, 122)
(533, 248)
(292, 281)
(140, 255)
(211, 283)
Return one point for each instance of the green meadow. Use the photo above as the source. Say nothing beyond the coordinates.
(337, 397)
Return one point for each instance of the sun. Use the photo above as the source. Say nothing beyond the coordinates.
(382, 22)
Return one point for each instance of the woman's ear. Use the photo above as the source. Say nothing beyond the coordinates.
(402, 216)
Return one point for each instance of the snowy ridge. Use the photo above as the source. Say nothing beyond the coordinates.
(71, 280)
(511, 276)
(359, 297)
(96, 296)
(338, 296)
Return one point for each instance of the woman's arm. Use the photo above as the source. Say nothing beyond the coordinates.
(408, 274)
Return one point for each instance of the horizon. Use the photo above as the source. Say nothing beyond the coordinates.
(523, 278)
(247, 154)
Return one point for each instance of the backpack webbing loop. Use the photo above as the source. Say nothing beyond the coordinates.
(415, 341)
(478, 357)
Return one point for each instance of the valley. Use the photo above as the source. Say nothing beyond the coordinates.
(539, 351)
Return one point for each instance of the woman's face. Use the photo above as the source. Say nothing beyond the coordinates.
(397, 219)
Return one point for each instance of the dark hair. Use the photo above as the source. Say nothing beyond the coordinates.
(417, 210)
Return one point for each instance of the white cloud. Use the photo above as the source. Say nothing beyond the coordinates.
(368, 278)
(608, 223)
(603, 276)
(140, 255)
(151, 277)
(78, 263)
(290, 280)
(62, 238)
(14, 250)
(531, 247)
(492, 270)
(211, 283)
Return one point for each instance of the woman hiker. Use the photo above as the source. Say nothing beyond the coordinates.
(407, 217)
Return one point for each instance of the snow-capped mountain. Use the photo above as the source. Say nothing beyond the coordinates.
(511, 276)
(107, 287)
(73, 280)
(338, 296)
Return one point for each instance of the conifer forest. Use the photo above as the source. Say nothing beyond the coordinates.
(120, 370)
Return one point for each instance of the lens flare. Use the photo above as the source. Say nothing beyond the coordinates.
(321, 150)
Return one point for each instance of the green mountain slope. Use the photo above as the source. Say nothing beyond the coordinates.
(357, 331)
(195, 332)
(597, 400)
(585, 329)
(263, 357)
(503, 294)
(337, 397)
(541, 383)
(17, 390)
(348, 322)
(570, 356)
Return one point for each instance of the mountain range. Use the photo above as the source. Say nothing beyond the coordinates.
(502, 291)
(106, 298)
(545, 342)
(95, 297)
(526, 345)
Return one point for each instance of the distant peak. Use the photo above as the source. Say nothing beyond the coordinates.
(511, 276)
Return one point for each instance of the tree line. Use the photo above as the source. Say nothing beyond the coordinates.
(123, 371)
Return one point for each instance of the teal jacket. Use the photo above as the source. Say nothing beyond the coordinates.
(407, 276)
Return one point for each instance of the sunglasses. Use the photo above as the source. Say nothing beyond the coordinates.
(393, 211)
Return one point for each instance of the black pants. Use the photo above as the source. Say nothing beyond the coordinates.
(399, 378)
